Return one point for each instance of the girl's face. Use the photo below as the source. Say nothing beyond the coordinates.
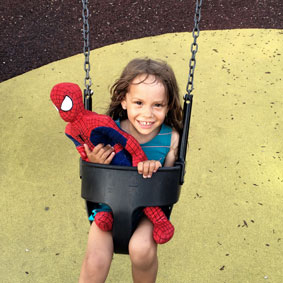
(146, 104)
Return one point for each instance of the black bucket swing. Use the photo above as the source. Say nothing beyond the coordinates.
(122, 188)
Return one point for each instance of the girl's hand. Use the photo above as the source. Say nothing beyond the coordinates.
(100, 154)
(146, 168)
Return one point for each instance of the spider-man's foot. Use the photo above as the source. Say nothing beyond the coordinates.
(104, 220)
(163, 230)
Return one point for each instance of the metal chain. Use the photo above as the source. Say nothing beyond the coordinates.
(86, 49)
(194, 50)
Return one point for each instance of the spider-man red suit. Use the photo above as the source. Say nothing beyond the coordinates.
(86, 127)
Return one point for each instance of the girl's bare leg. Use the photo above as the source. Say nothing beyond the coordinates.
(98, 256)
(143, 253)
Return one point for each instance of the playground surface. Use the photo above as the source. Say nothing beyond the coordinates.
(35, 33)
(229, 217)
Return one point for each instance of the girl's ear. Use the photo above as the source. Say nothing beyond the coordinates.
(124, 104)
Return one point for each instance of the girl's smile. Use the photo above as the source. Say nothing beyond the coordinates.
(147, 105)
(145, 125)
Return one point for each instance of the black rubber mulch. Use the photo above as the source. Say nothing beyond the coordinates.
(37, 32)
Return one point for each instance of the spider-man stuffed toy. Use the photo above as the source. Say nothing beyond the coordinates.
(86, 127)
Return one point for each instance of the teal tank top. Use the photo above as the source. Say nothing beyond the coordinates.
(159, 146)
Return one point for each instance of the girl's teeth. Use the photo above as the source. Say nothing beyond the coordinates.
(145, 123)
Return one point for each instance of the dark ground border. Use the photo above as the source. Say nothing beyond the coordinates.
(35, 33)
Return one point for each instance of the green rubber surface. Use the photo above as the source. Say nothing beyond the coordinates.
(229, 218)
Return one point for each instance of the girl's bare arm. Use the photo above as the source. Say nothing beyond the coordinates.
(173, 152)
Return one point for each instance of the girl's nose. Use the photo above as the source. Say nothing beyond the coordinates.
(147, 112)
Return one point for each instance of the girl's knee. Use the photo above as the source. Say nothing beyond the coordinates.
(142, 253)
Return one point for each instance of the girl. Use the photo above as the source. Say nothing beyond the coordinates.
(145, 103)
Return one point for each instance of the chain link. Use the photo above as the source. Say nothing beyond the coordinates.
(194, 50)
(86, 48)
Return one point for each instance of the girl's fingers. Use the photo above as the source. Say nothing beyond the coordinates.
(148, 167)
(140, 167)
(102, 151)
(157, 166)
(107, 149)
(98, 148)
(151, 168)
(109, 158)
(106, 153)
(87, 150)
(100, 154)
(144, 168)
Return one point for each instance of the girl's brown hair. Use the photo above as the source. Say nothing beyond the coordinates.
(163, 73)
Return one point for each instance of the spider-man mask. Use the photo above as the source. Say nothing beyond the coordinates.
(68, 100)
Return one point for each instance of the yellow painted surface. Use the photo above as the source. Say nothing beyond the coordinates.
(229, 218)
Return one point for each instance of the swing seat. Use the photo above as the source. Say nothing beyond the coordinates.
(125, 191)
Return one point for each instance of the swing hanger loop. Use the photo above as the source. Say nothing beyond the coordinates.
(86, 49)
(194, 50)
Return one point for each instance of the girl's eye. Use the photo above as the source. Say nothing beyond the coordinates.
(138, 102)
(158, 105)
